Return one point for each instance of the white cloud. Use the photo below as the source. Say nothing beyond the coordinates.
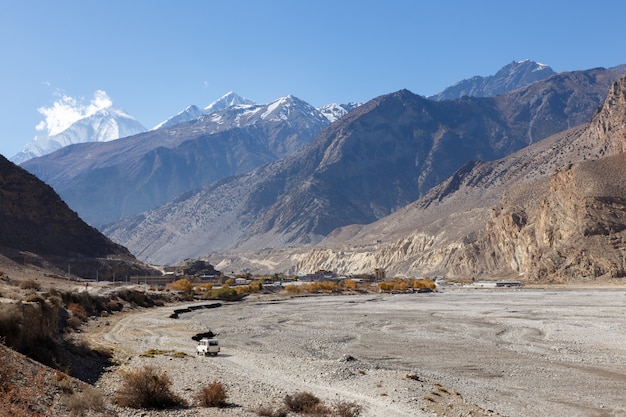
(67, 110)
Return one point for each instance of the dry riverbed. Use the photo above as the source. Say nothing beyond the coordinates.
(458, 352)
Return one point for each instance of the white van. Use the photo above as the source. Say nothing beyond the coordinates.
(208, 347)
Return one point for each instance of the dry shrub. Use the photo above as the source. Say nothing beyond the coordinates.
(249, 289)
(113, 305)
(314, 287)
(35, 298)
(80, 403)
(146, 388)
(422, 283)
(307, 403)
(30, 284)
(404, 284)
(78, 311)
(182, 285)
(319, 409)
(204, 287)
(63, 383)
(351, 284)
(73, 323)
(301, 401)
(347, 409)
(214, 395)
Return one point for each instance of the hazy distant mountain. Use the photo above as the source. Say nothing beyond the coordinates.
(508, 78)
(190, 113)
(38, 225)
(193, 112)
(105, 182)
(334, 111)
(373, 161)
(105, 125)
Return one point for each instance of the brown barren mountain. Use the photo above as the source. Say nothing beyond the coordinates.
(38, 227)
(553, 211)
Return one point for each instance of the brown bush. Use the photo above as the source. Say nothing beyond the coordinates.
(80, 403)
(35, 298)
(78, 311)
(214, 395)
(30, 284)
(183, 285)
(146, 388)
(301, 401)
(422, 283)
(347, 409)
(73, 323)
(115, 305)
(320, 409)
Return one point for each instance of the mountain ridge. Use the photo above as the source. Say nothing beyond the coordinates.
(140, 172)
(556, 213)
(338, 179)
(510, 77)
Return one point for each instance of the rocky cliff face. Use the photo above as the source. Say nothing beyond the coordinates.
(574, 228)
(573, 231)
(608, 126)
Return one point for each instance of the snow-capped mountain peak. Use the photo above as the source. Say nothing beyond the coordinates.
(106, 124)
(280, 109)
(335, 111)
(227, 100)
(193, 112)
(190, 113)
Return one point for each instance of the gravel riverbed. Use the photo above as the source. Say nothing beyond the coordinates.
(456, 352)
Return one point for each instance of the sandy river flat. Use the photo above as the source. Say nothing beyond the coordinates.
(509, 352)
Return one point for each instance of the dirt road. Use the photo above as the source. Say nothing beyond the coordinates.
(516, 353)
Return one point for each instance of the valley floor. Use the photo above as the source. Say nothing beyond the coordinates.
(516, 353)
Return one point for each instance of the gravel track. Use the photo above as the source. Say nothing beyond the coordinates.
(507, 352)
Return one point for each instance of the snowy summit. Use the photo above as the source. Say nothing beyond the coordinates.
(67, 123)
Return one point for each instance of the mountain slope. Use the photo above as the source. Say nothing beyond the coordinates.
(36, 223)
(190, 113)
(554, 211)
(107, 124)
(105, 182)
(508, 78)
(375, 160)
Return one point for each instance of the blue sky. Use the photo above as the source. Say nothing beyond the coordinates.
(154, 58)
